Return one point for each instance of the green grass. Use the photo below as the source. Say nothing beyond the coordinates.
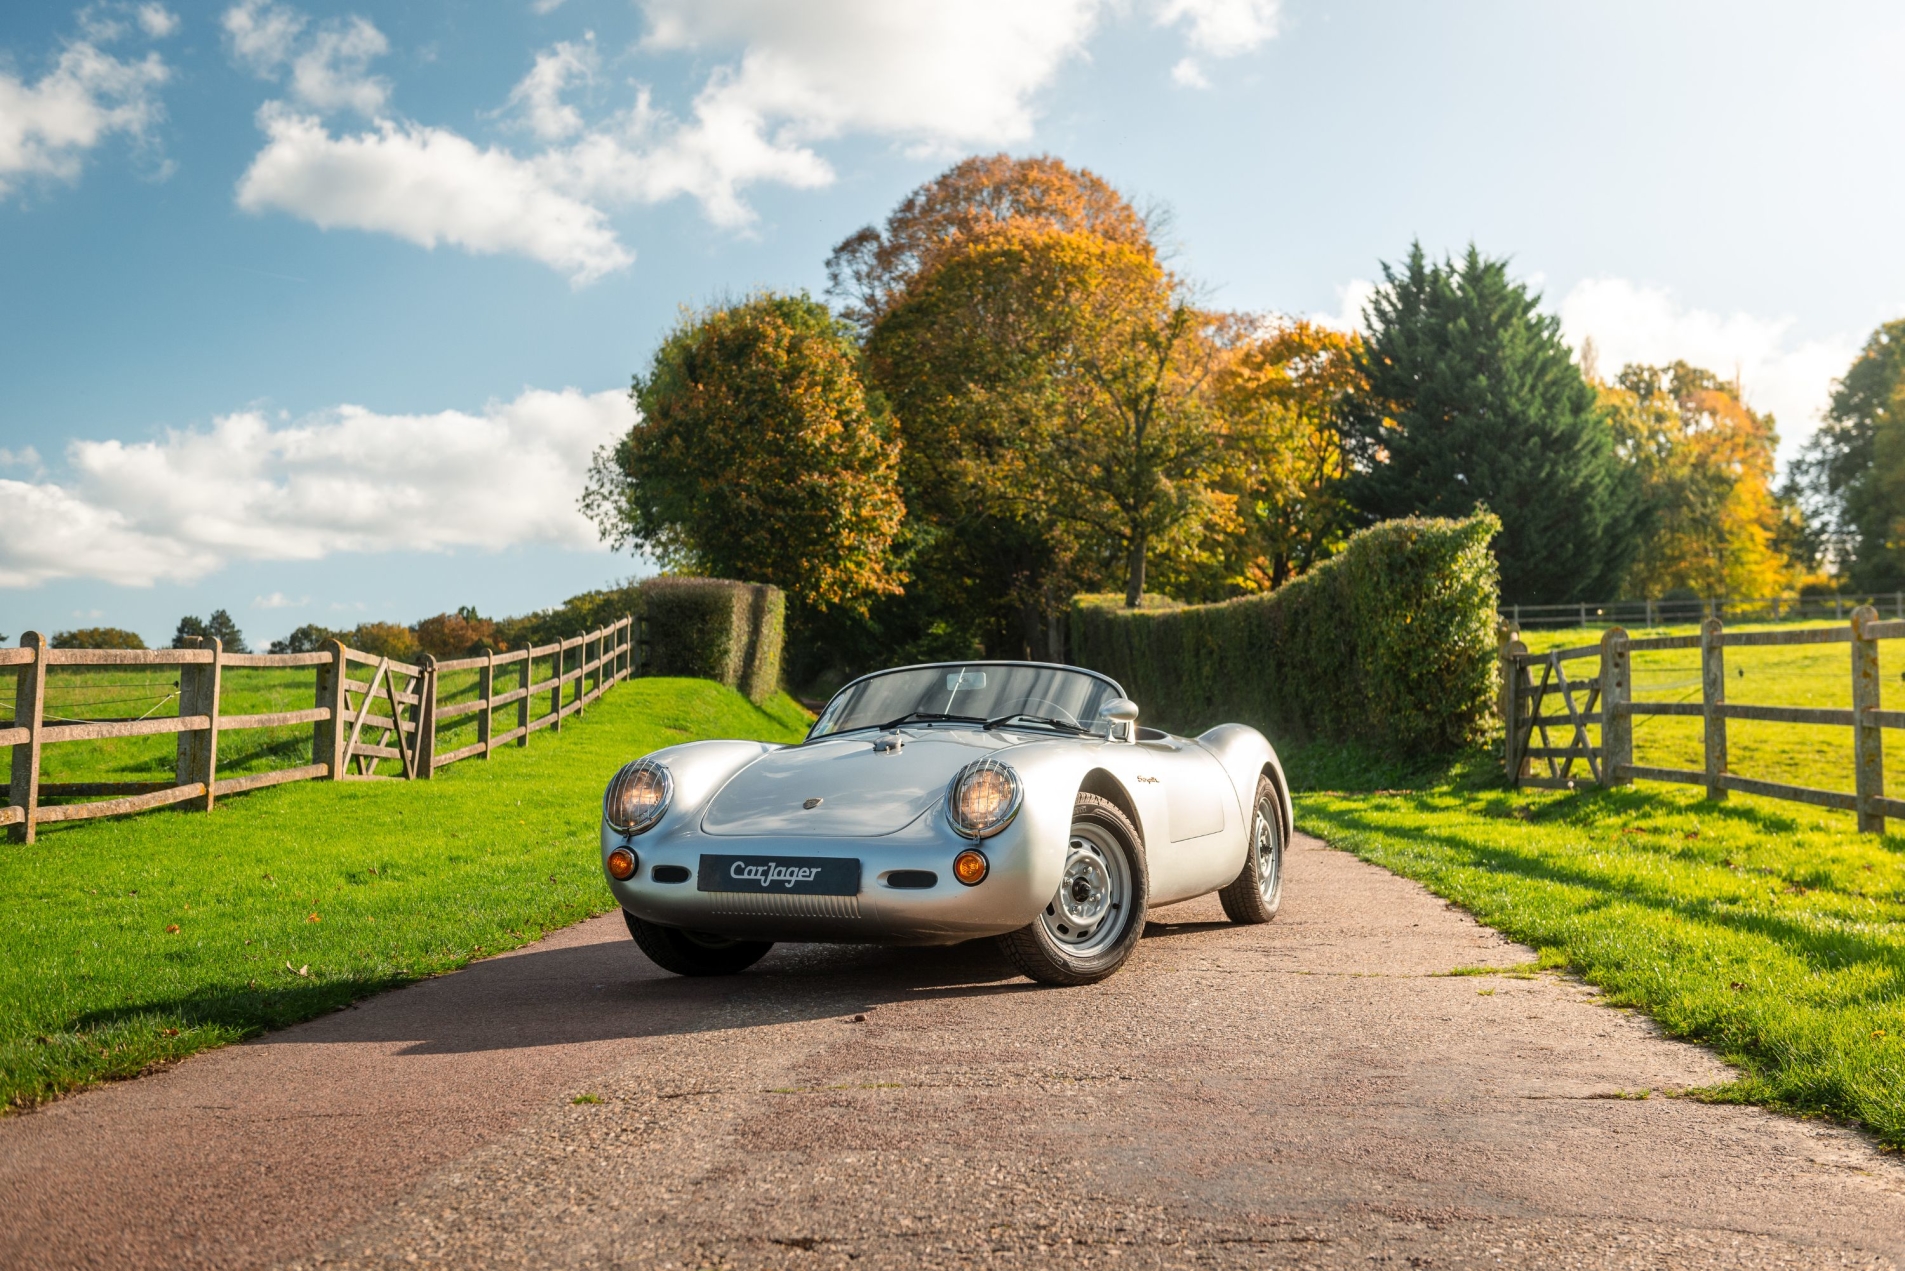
(138, 940)
(1776, 675)
(1770, 931)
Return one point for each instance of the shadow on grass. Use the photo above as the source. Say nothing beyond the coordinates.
(1820, 950)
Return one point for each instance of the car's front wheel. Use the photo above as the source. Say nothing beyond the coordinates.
(694, 952)
(1256, 893)
(1095, 920)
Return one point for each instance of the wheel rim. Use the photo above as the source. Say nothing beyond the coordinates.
(1087, 915)
(1268, 846)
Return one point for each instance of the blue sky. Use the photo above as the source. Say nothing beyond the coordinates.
(314, 312)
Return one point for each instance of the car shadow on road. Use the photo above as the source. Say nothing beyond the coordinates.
(606, 990)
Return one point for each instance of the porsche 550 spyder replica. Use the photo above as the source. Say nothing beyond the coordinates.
(942, 803)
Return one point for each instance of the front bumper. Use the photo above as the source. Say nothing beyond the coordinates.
(1023, 876)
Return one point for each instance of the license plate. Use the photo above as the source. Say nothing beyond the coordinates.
(796, 875)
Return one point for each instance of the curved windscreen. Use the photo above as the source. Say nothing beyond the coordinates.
(1048, 696)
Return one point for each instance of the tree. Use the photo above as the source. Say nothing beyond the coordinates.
(455, 635)
(759, 455)
(217, 627)
(308, 638)
(1473, 399)
(1851, 473)
(872, 268)
(1710, 521)
(1280, 399)
(98, 638)
(1053, 381)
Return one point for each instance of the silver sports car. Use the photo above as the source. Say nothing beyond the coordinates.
(934, 804)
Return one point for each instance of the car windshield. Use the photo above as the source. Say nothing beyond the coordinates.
(1040, 696)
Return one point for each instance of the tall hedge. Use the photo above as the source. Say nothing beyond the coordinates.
(1390, 643)
(714, 629)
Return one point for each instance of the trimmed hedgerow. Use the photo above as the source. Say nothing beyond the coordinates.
(714, 629)
(1390, 643)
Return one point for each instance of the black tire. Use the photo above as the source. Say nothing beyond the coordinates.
(1050, 949)
(694, 952)
(1256, 893)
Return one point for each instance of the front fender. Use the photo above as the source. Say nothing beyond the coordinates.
(699, 769)
(1246, 754)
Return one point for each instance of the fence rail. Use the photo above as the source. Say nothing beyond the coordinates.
(1664, 613)
(1539, 698)
(356, 723)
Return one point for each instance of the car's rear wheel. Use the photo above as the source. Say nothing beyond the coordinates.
(1096, 917)
(694, 952)
(1256, 893)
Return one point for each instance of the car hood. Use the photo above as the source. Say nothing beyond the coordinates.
(862, 793)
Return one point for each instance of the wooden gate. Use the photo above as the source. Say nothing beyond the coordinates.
(1537, 696)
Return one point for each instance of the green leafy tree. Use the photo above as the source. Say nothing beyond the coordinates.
(217, 627)
(759, 455)
(308, 638)
(1473, 399)
(1851, 474)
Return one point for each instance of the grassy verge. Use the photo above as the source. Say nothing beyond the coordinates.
(1770, 931)
(139, 940)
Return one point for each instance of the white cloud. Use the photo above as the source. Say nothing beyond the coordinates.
(329, 67)
(1352, 298)
(1188, 74)
(278, 600)
(542, 8)
(427, 185)
(158, 21)
(1633, 323)
(348, 479)
(1223, 28)
(539, 95)
(24, 457)
(46, 127)
(933, 78)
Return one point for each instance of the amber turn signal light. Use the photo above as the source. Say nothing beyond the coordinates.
(622, 864)
(970, 867)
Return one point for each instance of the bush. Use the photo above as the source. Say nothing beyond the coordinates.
(715, 629)
(98, 638)
(455, 635)
(1391, 643)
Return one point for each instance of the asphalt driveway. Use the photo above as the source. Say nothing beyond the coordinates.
(1309, 1093)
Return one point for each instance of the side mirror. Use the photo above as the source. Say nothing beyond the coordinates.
(1122, 713)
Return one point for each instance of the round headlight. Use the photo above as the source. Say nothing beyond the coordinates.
(638, 796)
(983, 798)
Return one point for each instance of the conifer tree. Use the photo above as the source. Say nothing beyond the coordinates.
(1473, 399)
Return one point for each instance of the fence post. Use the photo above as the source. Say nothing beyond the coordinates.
(198, 750)
(1712, 697)
(1516, 704)
(1868, 743)
(327, 735)
(29, 712)
(555, 693)
(486, 688)
(426, 744)
(522, 703)
(1617, 727)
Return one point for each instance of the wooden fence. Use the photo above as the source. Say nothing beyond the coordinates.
(1661, 613)
(356, 724)
(1538, 695)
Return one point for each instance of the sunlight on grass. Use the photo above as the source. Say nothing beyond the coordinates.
(1770, 931)
(141, 939)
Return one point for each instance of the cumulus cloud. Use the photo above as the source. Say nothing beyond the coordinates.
(47, 126)
(345, 480)
(158, 21)
(328, 65)
(1629, 322)
(1217, 28)
(785, 79)
(427, 185)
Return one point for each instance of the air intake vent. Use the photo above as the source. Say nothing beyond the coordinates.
(783, 905)
(912, 878)
(669, 873)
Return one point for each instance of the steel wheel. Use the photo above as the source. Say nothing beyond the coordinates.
(1094, 893)
(1257, 891)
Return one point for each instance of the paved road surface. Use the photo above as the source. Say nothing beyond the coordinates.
(1309, 1093)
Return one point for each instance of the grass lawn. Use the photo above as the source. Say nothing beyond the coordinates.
(1770, 931)
(137, 940)
(1777, 675)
